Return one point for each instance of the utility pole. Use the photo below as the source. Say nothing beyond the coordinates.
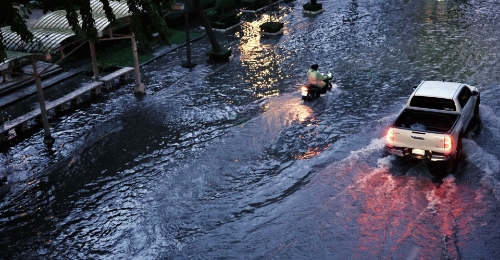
(48, 139)
(139, 86)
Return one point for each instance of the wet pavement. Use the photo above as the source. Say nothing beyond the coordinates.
(226, 161)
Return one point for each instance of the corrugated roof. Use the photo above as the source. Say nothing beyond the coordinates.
(119, 8)
(53, 28)
(57, 19)
(44, 41)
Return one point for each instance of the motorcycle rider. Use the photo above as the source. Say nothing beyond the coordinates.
(317, 79)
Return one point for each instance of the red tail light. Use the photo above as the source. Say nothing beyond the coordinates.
(447, 144)
(390, 135)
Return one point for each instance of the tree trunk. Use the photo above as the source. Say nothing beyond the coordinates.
(206, 24)
(270, 10)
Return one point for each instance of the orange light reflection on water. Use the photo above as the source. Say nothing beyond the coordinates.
(261, 61)
(311, 152)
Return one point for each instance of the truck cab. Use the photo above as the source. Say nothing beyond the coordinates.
(447, 96)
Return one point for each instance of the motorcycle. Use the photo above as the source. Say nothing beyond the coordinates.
(311, 92)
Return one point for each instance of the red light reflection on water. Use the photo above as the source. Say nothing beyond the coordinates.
(410, 216)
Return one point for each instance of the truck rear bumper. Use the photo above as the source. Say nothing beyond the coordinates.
(407, 152)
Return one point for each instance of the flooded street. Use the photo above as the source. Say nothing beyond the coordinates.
(225, 161)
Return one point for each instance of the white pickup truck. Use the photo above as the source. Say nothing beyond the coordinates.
(433, 122)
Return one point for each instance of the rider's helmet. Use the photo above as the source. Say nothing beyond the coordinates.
(314, 66)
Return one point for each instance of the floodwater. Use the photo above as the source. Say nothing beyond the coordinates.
(225, 161)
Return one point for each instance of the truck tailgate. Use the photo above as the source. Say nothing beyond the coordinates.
(423, 129)
(418, 139)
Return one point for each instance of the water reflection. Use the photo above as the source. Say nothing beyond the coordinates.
(311, 152)
(261, 59)
(204, 166)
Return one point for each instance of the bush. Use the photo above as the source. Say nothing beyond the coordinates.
(271, 27)
(224, 5)
(212, 15)
(222, 21)
(313, 8)
(101, 66)
(230, 19)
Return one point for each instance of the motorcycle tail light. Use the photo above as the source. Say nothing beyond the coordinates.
(304, 91)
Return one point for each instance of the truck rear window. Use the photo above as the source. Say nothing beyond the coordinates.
(433, 103)
(426, 121)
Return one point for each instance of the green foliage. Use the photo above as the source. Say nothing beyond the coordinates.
(13, 17)
(147, 19)
(224, 5)
(271, 27)
(102, 66)
(212, 15)
(221, 20)
(313, 8)
(231, 18)
(179, 37)
(124, 58)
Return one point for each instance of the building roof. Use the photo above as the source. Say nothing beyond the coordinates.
(44, 41)
(52, 29)
(57, 19)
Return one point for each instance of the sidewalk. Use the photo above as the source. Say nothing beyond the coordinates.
(17, 90)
